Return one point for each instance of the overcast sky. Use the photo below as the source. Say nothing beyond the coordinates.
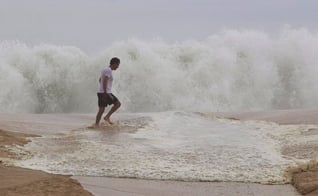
(93, 25)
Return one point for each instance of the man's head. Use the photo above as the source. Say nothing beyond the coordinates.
(114, 63)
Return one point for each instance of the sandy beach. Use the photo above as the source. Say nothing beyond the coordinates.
(20, 181)
(15, 129)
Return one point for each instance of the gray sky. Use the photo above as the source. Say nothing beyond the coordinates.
(93, 25)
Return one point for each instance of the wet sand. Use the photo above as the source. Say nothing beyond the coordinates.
(20, 181)
(100, 186)
(15, 128)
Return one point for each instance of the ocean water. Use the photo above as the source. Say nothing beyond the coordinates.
(167, 90)
(173, 145)
(228, 71)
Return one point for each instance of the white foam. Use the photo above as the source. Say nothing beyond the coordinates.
(228, 71)
(170, 145)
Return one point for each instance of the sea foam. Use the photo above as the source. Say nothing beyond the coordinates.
(172, 146)
(228, 71)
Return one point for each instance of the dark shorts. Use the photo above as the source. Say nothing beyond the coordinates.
(104, 100)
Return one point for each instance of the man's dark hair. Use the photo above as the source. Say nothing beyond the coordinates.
(115, 60)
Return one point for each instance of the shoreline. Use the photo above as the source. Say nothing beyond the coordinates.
(28, 182)
(14, 129)
(282, 117)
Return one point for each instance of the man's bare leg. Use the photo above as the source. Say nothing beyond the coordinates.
(99, 115)
(111, 111)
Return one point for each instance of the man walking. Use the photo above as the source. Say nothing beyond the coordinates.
(105, 96)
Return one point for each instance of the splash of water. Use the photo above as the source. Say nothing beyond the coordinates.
(232, 70)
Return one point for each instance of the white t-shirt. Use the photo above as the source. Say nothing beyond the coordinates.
(106, 72)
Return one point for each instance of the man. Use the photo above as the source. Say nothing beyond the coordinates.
(105, 96)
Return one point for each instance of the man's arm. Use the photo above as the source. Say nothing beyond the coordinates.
(107, 96)
(105, 84)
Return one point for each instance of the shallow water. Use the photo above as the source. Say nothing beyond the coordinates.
(171, 145)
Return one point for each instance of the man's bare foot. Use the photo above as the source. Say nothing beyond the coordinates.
(93, 126)
(108, 120)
